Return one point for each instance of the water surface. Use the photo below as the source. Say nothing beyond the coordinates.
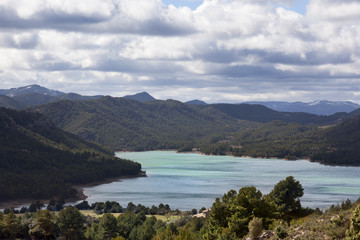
(186, 180)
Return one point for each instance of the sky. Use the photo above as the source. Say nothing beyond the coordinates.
(211, 50)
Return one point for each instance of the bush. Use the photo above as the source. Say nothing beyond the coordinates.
(255, 228)
(281, 232)
(354, 232)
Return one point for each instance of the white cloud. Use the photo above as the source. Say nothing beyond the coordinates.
(334, 10)
(227, 49)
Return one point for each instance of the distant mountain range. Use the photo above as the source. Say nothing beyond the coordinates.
(322, 107)
(29, 89)
(32, 95)
(125, 124)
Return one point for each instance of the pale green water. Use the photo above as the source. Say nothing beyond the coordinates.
(187, 180)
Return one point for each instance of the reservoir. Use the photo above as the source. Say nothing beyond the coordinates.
(188, 180)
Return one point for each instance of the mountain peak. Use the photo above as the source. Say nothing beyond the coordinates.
(196, 102)
(141, 97)
(34, 88)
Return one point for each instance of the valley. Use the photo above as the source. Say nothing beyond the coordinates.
(57, 142)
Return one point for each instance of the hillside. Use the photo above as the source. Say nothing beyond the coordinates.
(196, 102)
(125, 124)
(275, 139)
(38, 160)
(30, 89)
(32, 95)
(141, 97)
(262, 114)
(322, 107)
(9, 102)
(343, 144)
(338, 145)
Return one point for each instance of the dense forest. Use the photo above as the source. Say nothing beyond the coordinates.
(39, 160)
(125, 124)
(237, 129)
(338, 145)
(242, 214)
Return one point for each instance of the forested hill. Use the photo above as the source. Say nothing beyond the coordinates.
(343, 143)
(39, 160)
(262, 114)
(338, 145)
(125, 124)
(9, 102)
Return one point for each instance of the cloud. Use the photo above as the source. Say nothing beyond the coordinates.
(149, 17)
(334, 10)
(225, 49)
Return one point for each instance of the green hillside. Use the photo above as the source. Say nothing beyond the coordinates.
(343, 143)
(262, 114)
(9, 102)
(38, 160)
(125, 124)
(275, 139)
(237, 129)
(339, 145)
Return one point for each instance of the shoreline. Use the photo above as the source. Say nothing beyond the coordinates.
(284, 159)
(79, 196)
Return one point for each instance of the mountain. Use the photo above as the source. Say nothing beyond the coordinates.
(343, 144)
(141, 97)
(262, 114)
(337, 145)
(29, 89)
(33, 95)
(274, 139)
(196, 102)
(33, 98)
(322, 107)
(75, 96)
(9, 102)
(125, 124)
(39, 160)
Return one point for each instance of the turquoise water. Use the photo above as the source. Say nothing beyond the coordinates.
(186, 180)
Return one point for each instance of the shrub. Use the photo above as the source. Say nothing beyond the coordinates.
(255, 228)
(281, 232)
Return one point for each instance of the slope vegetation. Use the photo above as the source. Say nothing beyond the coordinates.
(125, 124)
(9, 102)
(262, 114)
(343, 143)
(38, 160)
(339, 145)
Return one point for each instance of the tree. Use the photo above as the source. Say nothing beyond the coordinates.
(236, 210)
(128, 221)
(108, 226)
(255, 228)
(71, 223)
(10, 225)
(354, 232)
(44, 224)
(286, 195)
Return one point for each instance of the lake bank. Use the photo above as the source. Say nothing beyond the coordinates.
(79, 196)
